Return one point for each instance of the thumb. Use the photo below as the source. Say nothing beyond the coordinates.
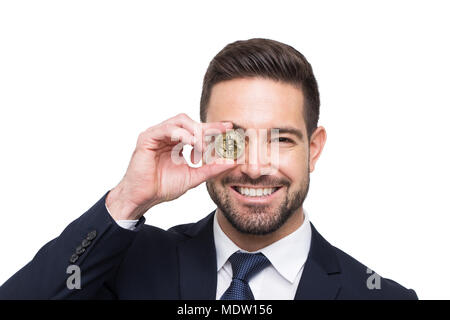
(208, 171)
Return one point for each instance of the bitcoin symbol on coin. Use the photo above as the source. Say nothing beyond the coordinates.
(230, 145)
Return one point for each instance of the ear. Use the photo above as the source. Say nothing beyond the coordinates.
(316, 144)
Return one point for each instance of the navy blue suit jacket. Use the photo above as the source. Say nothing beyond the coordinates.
(180, 263)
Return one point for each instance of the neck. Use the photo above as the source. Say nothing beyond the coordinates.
(251, 242)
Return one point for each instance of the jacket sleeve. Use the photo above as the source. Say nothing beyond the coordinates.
(78, 264)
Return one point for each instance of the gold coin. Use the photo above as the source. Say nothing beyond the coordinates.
(230, 145)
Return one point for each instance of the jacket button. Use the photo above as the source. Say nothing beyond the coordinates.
(73, 258)
(85, 243)
(91, 235)
(80, 250)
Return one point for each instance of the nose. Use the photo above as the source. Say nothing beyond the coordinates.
(257, 162)
(253, 171)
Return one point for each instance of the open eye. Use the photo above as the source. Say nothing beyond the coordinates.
(283, 140)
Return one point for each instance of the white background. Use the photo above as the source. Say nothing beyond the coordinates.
(80, 79)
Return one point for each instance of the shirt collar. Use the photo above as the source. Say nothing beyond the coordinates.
(287, 255)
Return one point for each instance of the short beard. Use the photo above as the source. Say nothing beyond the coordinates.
(259, 222)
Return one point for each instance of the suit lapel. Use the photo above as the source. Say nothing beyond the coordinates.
(197, 262)
(321, 274)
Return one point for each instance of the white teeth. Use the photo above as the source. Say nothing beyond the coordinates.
(252, 192)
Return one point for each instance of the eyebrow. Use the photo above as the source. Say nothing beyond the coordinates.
(289, 130)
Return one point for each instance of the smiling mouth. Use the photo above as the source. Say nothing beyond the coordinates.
(256, 192)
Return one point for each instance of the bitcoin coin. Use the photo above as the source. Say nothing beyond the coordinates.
(230, 145)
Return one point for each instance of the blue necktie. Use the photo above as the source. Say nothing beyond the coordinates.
(245, 266)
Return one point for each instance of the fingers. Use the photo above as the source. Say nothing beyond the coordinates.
(182, 128)
(184, 121)
(208, 171)
(199, 130)
(222, 126)
(180, 134)
(196, 156)
(159, 136)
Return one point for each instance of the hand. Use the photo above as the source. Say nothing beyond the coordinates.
(153, 177)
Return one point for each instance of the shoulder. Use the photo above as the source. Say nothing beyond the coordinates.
(357, 281)
(362, 282)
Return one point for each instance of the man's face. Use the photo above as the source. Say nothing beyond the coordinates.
(256, 103)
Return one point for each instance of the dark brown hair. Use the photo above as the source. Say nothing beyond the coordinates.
(264, 58)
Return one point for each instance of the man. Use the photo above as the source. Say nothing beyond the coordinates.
(257, 244)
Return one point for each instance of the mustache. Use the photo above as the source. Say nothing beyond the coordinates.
(262, 180)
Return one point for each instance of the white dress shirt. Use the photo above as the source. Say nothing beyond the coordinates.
(279, 281)
(126, 224)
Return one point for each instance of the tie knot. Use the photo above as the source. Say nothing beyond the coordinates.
(246, 265)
